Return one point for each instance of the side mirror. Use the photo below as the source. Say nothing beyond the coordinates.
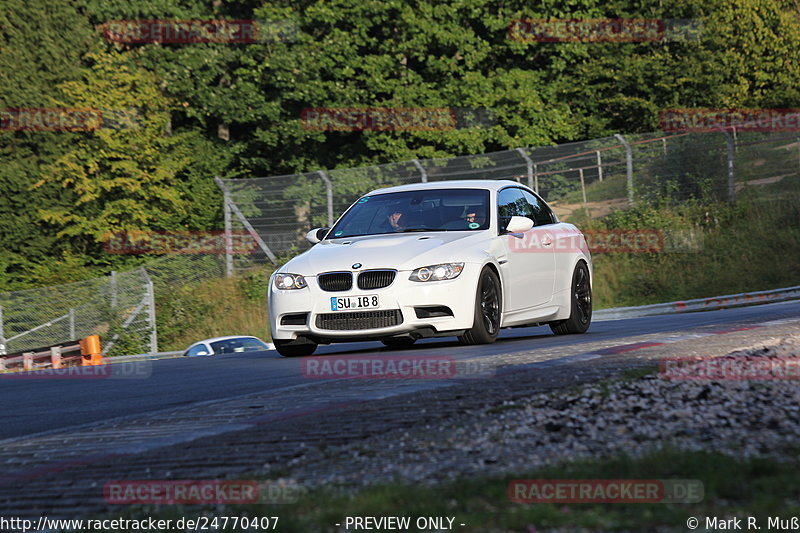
(202, 352)
(519, 224)
(316, 235)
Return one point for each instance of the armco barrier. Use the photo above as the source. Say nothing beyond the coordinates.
(700, 304)
(144, 356)
(84, 352)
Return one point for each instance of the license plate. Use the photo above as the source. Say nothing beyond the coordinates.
(352, 303)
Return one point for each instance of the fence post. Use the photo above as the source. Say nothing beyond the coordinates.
(246, 223)
(55, 357)
(529, 165)
(583, 187)
(628, 164)
(72, 323)
(798, 161)
(731, 177)
(536, 177)
(151, 311)
(27, 361)
(226, 200)
(2, 334)
(113, 290)
(599, 166)
(328, 194)
(422, 172)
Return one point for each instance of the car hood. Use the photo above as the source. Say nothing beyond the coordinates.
(405, 251)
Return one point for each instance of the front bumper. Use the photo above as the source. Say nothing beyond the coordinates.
(402, 298)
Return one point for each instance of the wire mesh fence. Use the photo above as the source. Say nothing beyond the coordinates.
(116, 307)
(592, 177)
(120, 307)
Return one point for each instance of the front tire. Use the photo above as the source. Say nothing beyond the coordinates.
(294, 348)
(488, 310)
(580, 304)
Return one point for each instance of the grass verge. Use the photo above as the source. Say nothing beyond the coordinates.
(227, 306)
(749, 246)
(760, 487)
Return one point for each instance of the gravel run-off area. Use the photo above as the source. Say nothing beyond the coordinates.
(739, 417)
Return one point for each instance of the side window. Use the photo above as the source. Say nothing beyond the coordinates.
(197, 350)
(253, 345)
(524, 208)
(515, 202)
(508, 201)
(541, 213)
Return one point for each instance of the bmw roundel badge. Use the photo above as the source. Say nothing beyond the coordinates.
(356, 265)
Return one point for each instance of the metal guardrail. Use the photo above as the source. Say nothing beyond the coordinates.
(54, 357)
(144, 356)
(700, 304)
(84, 352)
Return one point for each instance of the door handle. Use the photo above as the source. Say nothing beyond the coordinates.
(546, 241)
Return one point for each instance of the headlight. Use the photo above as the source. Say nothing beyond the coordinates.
(437, 272)
(290, 281)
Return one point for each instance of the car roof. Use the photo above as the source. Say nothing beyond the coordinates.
(228, 337)
(455, 184)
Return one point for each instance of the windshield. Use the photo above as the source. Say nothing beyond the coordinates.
(240, 344)
(409, 211)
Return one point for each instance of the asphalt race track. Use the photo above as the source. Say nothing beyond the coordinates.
(34, 406)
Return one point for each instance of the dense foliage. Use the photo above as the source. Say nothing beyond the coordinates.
(233, 110)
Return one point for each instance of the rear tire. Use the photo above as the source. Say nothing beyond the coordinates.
(580, 304)
(294, 348)
(398, 343)
(488, 310)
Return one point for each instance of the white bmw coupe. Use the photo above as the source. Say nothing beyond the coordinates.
(454, 258)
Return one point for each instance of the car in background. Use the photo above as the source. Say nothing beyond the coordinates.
(450, 258)
(226, 345)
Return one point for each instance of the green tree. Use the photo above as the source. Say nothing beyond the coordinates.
(124, 173)
(41, 44)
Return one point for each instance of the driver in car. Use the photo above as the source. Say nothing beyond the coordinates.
(475, 215)
(395, 221)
